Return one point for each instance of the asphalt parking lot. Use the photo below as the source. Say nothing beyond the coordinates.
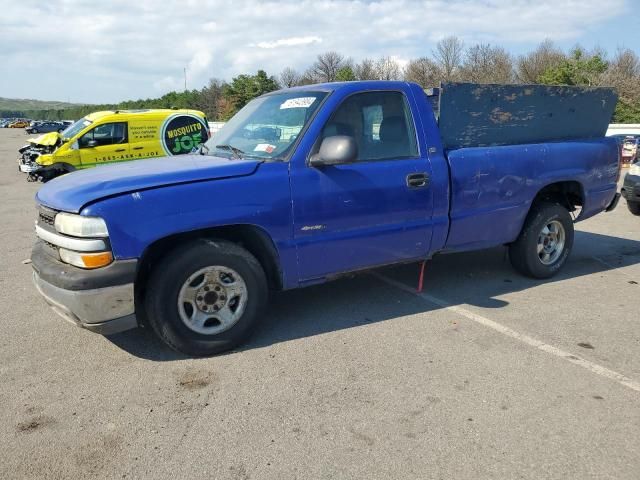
(485, 375)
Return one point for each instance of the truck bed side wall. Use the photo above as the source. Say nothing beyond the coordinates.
(494, 187)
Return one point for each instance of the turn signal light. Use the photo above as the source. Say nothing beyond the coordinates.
(86, 260)
(95, 260)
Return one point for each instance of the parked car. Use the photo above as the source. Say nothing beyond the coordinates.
(109, 137)
(631, 188)
(19, 124)
(45, 127)
(629, 149)
(307, 184)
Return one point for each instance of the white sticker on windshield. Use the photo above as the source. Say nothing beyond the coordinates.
(300, 102)
(264, 147)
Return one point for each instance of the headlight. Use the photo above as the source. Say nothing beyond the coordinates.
(86, 260)
(635, 169)
(79, 226)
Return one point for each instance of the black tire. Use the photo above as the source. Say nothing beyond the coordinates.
(523, 253)
(167, 279)
(634, 207)
(47, 175)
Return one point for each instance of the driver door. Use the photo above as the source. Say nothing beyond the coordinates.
(375, 210)
(105, 143)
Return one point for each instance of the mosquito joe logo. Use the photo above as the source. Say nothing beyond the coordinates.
(183, 133)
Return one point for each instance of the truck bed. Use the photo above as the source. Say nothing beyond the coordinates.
(493, 187)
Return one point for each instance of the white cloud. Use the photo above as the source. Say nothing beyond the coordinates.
(288, 42)
(166, 84)
(69, 49)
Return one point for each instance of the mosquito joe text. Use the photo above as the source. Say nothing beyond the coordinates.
(185, 138)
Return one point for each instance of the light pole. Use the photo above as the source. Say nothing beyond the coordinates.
(185, 79)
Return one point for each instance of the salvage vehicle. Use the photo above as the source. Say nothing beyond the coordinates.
(107, 137)
(629, 150)
(310, 183)
(631, 188)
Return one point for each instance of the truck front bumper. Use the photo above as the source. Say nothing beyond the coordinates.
(100, 300)
(28, 167)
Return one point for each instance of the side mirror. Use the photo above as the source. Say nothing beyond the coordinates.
(335, 150)
(92, 143)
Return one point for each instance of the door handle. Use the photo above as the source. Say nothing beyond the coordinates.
(138, 148)
(121, 150)
(417, 180)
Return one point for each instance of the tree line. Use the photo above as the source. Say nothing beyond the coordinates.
(450, 61)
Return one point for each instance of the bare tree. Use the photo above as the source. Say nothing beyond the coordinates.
(486, 64)
(625, 63)
(529, 67)
(308, 77)
(448, 57)
(289, 78)
(366, 70)
(387, 69)
(423, 71)
(623, 73)
(326, 66)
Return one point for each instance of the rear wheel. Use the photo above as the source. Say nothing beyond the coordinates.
(544, 243)
(206, 297)
(634, 207)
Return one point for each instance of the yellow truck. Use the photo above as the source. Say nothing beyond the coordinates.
(108, 137)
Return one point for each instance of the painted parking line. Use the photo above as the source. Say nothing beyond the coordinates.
(526, 339)
(613, 267)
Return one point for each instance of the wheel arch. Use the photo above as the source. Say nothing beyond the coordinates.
(251, 237)
(568, 193)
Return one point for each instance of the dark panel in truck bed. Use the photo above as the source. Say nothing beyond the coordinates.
(473, 115)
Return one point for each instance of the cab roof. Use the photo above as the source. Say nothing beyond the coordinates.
(353, 85)
(141, 113)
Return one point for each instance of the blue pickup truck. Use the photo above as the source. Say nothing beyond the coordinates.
(309, 183)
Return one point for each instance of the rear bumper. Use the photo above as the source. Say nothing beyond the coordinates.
(614, 203)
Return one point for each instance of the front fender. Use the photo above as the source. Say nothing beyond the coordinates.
(138, 219)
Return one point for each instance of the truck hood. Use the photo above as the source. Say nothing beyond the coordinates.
(47, 140)
(73, 191)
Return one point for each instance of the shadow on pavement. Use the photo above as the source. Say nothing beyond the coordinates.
(474, 278)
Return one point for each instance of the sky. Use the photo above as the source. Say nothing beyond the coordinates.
(108, 51)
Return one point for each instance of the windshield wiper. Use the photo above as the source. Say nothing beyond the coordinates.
(237, 153)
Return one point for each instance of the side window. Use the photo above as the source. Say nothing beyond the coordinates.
(380, 122)
(105, 134)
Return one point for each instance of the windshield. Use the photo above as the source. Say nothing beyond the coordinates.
(74, 129)
(266, 127)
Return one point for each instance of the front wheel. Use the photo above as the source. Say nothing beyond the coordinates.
(206, 297)
(634, 207)
(544, 243)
